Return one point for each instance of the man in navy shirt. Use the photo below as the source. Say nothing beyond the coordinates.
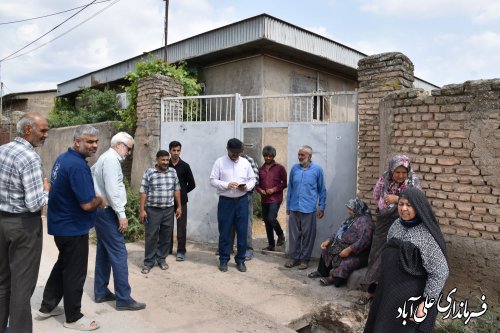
(70, 215)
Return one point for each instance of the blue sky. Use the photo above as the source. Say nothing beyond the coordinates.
(449, 41)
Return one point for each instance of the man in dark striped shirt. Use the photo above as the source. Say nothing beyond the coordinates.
(23, 193)
(159, 187)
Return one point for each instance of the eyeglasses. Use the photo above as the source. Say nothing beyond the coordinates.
(129, 149)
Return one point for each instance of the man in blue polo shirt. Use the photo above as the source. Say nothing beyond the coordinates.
(70, 215)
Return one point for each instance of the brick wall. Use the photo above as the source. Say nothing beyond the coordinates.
(147, 134)
(377, 75)
(7, 132)
(453, 139)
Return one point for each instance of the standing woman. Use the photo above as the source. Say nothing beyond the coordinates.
(398, 177)
(414, 264)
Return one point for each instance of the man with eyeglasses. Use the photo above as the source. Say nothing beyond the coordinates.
(233, 178)
(111, 223)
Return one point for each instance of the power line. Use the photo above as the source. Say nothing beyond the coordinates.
(64, 33)
(45, 34)
(44, 16)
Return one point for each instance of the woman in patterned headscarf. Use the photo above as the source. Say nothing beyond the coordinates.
(347, 249)
(398, 177)
(414, 270)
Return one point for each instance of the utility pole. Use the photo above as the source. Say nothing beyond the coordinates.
(166, 32)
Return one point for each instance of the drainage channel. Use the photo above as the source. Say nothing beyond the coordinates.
(330, 318)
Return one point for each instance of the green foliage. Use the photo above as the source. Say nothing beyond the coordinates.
(63, 114)
(135, 231)
(257, 205)
(154, 66)
(97, 106)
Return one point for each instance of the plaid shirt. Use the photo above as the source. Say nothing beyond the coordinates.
(21, 178)
(160, 187)
(255, 168)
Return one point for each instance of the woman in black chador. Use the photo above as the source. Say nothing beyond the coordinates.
(414, 264)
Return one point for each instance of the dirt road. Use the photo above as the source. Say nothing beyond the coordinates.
(193, 296)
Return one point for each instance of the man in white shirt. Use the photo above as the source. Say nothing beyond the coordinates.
(233, 178)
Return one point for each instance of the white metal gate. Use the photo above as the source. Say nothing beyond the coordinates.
(325, 121)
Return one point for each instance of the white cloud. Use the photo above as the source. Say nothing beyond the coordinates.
(480, 11)
(445, 38)
(485, 40)
(319, 30)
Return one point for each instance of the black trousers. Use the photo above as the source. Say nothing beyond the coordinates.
(324, 271)
(21, 237)
(68, 276)
(181, 231)
(270, 214)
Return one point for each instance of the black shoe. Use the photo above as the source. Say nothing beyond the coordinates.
(134, 306)
(223, 267)
(241, 267)
(280, 241)
(268, 248)
(107, 298)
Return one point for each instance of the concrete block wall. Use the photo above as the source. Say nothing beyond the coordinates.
(452, 137)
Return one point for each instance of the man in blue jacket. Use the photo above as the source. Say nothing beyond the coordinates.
(305, 200)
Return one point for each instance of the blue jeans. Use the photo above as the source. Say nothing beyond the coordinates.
(111, 253)
(232, 213)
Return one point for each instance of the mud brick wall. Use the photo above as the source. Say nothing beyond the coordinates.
(147, 134)
(7, 132)
(453, 138)
(378, 76)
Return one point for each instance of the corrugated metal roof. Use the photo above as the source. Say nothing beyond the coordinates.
(263, 32)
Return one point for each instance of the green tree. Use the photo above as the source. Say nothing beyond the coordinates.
(153, 66)
(97, 106)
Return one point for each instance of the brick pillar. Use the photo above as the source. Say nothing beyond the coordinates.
(147, 135)
(378, 75)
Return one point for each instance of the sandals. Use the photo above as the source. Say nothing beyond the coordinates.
(325, 281)
(82, 324)
(163, 266)
(314, 275)
(363, 300)
(145, 269)
(57, 311)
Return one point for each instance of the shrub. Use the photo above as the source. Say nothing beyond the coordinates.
(135, 231)
(154, 65)
(97, 106)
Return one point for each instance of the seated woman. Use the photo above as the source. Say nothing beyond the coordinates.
(347, 250)
(414, 265)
